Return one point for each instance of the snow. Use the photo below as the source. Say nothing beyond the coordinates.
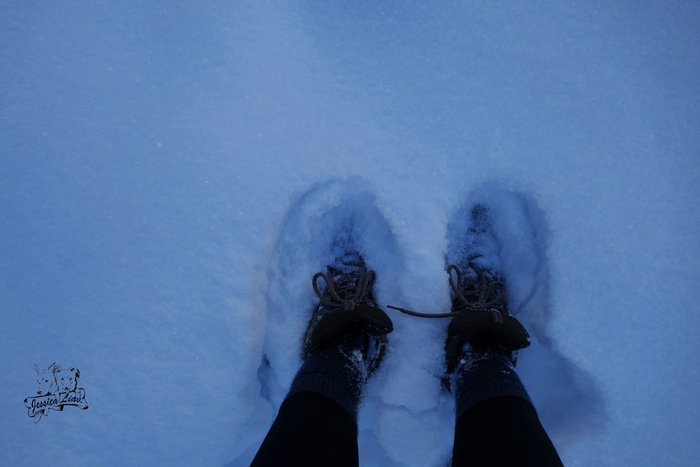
(154, 157)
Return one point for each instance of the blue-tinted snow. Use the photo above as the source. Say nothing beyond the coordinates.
(151, 153)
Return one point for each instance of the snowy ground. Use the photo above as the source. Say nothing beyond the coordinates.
(151, 157)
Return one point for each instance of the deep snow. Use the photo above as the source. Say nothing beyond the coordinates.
(151, 156)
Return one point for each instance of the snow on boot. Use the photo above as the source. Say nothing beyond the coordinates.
(347, 314)
(481, 319)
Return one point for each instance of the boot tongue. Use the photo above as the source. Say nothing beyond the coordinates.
(478, 289)
(347, 271)
(481, 246)
(347, 268)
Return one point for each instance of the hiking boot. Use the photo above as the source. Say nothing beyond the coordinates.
(479, 301)
(347, 314)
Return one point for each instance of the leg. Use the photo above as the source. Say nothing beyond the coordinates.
(343, 345)
(310, 430)
(316, 424)
(496, 423)
(502, 431)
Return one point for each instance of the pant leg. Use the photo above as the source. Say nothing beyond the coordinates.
(310, 430)
(504, 431)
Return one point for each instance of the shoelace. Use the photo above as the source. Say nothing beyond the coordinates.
(333, 298)
(489, 287)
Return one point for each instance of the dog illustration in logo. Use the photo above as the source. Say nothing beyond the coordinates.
(58, 388)
(46, 380)
(66, 378)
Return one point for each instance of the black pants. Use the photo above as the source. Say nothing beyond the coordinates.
(312, 430)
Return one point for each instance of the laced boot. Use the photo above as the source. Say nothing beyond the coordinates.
(347, 312)
(481, 327)
(346, 336)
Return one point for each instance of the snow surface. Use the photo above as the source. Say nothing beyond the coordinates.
(153, 157)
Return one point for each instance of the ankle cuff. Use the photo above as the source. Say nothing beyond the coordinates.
(335, 374)
(483, 376)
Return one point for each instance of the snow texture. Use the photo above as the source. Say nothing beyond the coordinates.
(170, 174)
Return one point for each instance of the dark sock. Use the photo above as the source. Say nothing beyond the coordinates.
(481, 376)
(335, 373)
